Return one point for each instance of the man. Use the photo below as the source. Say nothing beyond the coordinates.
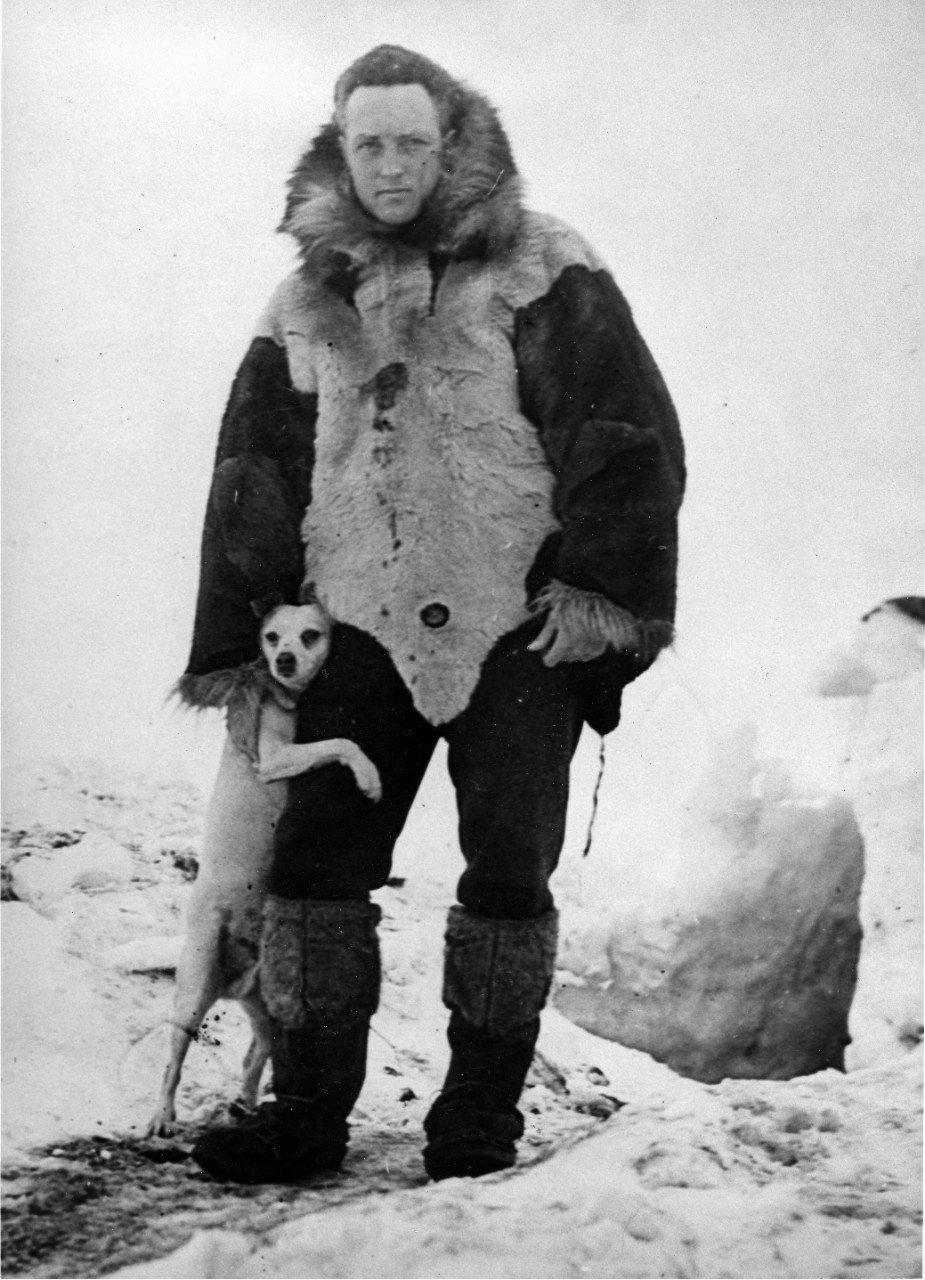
(452, 396)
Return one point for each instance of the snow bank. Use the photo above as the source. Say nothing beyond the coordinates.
(879, 676)
(747, 1179)
(743, 964)
(83, 1046)
(60, 1043)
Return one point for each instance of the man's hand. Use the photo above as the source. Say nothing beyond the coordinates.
(565, 642)
(580, 625)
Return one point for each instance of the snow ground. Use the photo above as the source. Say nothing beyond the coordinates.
(818, 1176)
(746, 1179)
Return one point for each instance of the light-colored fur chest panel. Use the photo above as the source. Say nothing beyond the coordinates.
(431, 492)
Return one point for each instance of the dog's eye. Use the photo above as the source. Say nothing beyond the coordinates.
(310, 638)
(272, 637)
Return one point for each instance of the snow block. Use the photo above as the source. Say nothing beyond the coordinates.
(883, 777)
(145, 955)
(96, 862)
(747, 967)
(93, 923)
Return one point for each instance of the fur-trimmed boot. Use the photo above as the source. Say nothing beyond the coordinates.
(319, 976)
(497, 975)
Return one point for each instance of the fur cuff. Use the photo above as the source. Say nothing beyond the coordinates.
(217, 688)
(241, 691)
(220, 688)
(589, 613)
(497, 973)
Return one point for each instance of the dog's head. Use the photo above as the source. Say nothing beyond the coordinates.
(295, 639)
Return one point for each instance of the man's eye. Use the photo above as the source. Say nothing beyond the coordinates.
(310, 638)
(272, 637)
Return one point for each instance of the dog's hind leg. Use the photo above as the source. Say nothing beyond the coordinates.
(257, 1054)
(199, 984)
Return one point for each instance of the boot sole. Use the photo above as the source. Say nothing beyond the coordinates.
(225, 1168)
(466, 1159)
(262, 1177)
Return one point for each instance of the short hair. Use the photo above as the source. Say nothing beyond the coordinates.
(390, 64)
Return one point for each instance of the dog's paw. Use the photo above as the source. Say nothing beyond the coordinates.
(163, 1125)
(368, 780)
(241, 1107)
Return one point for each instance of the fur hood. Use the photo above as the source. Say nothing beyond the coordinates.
(475, 211)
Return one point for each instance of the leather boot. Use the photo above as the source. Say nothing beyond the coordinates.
(497, 976)
(319, 977)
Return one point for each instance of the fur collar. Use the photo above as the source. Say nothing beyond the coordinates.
(475, 211)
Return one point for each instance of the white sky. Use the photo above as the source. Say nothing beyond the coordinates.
(751, 170)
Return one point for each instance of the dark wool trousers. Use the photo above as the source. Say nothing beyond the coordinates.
(509, 757)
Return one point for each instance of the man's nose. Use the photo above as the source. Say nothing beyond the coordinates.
(391, 160)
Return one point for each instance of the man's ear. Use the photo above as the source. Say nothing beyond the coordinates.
(307, 594)
(266, 604)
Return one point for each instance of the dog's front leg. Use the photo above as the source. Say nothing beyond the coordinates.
(349, 754)
(281, 758)
(302, 757)
(275, 735)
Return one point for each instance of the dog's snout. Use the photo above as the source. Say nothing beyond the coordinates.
(285, 664)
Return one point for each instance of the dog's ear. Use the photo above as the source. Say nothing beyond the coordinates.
(307, 594)
(266, 604)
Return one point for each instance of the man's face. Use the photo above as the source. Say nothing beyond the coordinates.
(392, 148)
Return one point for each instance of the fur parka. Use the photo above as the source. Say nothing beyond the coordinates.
(433, 424)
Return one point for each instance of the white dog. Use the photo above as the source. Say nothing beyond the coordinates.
(224, 917)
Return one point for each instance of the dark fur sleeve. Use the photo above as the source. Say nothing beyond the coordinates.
(611, 434)
(250, 542)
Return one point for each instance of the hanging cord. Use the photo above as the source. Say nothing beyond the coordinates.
(597, 792)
